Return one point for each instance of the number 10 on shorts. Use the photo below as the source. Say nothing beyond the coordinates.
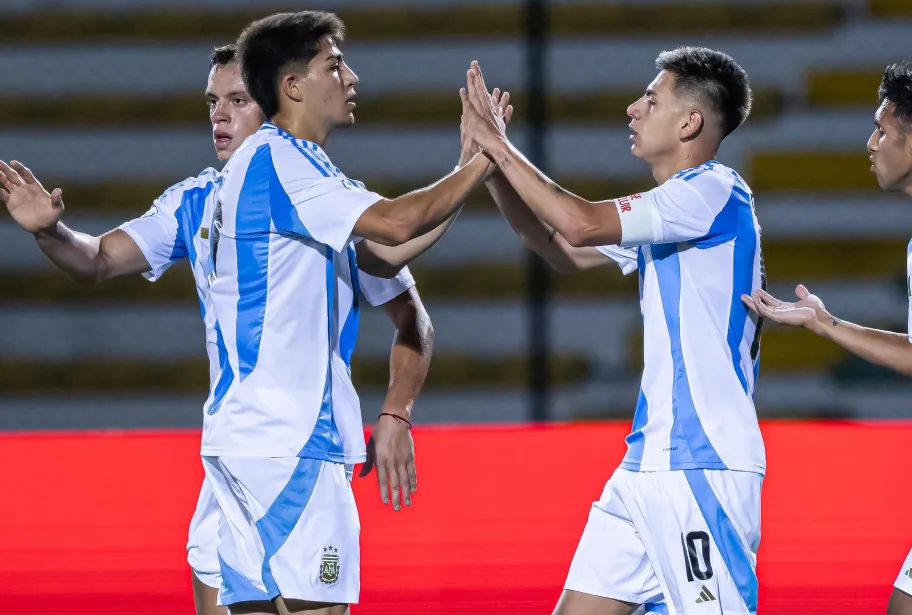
(696, 561)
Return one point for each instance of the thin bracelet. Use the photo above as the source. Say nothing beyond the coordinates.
(397, 417)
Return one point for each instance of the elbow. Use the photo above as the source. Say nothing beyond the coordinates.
(576, 234)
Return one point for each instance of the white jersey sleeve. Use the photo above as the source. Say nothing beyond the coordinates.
(378, 291)
(626, 258)
(157, 232)
(324, 207)
(684, 208)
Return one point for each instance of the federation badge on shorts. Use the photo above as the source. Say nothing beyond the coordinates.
(329, 565)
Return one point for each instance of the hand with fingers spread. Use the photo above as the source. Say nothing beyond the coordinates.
(26, 199)
(500, 101)
(485, 116)
(392, 450)
(806, 312)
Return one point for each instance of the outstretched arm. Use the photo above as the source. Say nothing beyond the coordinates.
(581, 222)
(885, 348)
(83, 257)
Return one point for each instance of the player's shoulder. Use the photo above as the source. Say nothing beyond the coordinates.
(171, 198)
(712, 180)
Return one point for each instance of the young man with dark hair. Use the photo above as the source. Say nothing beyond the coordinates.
(178, 226)
(284, 417)
(890, 146)
(678, 524)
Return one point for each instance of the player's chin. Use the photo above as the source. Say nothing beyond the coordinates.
(222, 153)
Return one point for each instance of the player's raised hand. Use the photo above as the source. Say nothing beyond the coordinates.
(469, 148)
(392, 450)
(485, 118)
(804, 312)
(26, 199)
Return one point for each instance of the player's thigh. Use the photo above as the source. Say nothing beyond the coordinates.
(205, 597)
(202, 553)
(577, 603)
(901, 598)
(610, 570)
(306, 607)
(701, 529)
(291, 529)
(900, 603)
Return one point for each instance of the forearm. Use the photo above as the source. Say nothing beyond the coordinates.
(77, 254)
(410, 359)
(577, 219)
(423, 210)
(397, 257)
(535, 234)
(885, 348)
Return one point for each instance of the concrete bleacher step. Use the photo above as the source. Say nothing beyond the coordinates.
(811, 171)
(890, 8)
(96, 111)
(192, 376)
(843, 88)
(783, 350)
(409, 22)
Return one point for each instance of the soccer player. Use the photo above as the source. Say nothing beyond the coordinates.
(283, 416)
(176, 227)
(890, 146)
(677, 527)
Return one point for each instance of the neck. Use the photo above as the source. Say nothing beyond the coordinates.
(663, 169)
(301, 128)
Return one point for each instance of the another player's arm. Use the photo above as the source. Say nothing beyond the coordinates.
(386, 261)
(885, 348)
(542, 239)
(393, 222)
(85, 258)
(88, 259)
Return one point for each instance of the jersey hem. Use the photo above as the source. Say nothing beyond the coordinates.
(638, 467)
(216, 451)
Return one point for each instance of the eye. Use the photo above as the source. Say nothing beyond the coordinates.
(240, 102)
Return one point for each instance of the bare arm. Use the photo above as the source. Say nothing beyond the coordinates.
(91, 259)
(390, 447)
(410, 356)
(386, 261)
(885, 348)
(393, 222)
(538, 236)
(84, 257)
(581, 222)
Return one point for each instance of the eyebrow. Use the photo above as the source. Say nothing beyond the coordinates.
(650, 92)
(336, 56)
(232, 94)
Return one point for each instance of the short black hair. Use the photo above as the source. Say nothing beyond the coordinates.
(223, 56)
(715, 78)
(269, 45)
(896, 87)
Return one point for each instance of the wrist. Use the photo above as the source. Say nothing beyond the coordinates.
(823, 324)
(400, 418)
(48, 231)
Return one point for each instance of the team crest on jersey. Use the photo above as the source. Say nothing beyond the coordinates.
(352, 184)
(329, 565)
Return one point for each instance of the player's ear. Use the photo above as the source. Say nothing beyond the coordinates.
(692, 125)
(291, 85)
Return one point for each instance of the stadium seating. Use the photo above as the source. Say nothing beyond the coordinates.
(113, 113)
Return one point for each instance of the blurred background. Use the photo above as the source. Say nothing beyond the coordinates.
(104, 98)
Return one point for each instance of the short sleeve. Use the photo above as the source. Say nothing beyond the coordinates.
(378, 291)
(626, 258)
(678, 210)
(157, 233)
(318, 205)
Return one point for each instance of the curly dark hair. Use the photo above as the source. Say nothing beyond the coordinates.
(896, 87)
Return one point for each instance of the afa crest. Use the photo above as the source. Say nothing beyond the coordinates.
(329, 565)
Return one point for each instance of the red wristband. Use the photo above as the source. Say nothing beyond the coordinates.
(397, 417)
